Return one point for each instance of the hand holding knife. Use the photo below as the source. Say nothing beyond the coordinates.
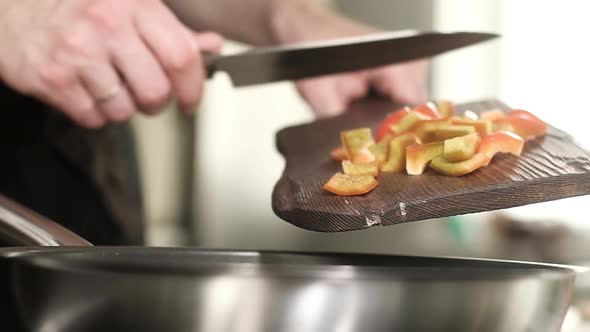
(265, 65)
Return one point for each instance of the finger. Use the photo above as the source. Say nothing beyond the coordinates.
(209, 42)
(408, 92)
(178, 53)
(322, 96)
(111, 97)
(405, 83)
(142, 73)
(77, 103)
(65, 91)
(352, 86)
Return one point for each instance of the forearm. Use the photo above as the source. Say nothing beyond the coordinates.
(265, 22)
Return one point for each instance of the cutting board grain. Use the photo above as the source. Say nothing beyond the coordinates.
(550, 168)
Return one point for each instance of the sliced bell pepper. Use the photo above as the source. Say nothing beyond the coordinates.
(492, 115)
(446, 108)
(391, 119)
(442, 166)
(396, 162)
(350, 168)
(501, 142)
(350, 185)
(419, 155)
(381, 150)
(461, 148)
(429, 134)
(483, 127)
(525, 127)
(451, 131)
(428, 109)
(528, 126)
(502, 125)
(408, 122)
(426, 129)
(524, 114)
(357, 142)
(339, 154)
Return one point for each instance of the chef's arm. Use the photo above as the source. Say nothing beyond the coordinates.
(266, 22)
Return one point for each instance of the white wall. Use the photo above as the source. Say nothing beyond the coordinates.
(545, 69)
(471, 73)
(540, 64)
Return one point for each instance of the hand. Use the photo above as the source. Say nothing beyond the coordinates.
(331, 95)
(296, 21)
(101, 61)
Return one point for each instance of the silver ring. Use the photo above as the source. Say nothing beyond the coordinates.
(114, 92)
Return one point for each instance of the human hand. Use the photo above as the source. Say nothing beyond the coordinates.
(297, 21)
(101, 61)
(331, 95)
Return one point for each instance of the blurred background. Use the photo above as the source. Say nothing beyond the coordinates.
(208, 180)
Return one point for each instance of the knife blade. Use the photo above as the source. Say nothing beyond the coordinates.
(272, 64)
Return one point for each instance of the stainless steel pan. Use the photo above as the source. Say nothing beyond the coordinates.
(183, 289)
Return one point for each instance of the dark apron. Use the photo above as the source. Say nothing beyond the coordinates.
(85, 180)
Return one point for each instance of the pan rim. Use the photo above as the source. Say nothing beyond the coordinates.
(248, 263)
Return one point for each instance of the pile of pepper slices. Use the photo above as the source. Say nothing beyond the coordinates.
(430, 135)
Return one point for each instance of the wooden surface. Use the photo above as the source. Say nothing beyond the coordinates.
(550, 168)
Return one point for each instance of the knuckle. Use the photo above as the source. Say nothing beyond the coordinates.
(181, 59)
(104, 16)
(74, 42)
(56, 76)
(155, 97)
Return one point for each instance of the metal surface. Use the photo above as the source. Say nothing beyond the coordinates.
(21, 227)
(62, 289)
(266, 65)
(120, 289)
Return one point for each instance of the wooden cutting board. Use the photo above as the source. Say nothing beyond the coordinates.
(550, 168)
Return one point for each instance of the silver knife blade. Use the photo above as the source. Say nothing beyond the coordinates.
(272, 64)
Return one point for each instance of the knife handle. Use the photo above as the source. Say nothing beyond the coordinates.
(210, 61)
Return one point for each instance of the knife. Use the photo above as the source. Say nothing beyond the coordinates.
(272, 64)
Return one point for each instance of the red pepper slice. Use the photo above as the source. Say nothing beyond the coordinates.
(339, 154)
(391, 119)
(350, 185)
(428, 109)
(357, 143)
(419, 155)
(501, 142)
(442, 166)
